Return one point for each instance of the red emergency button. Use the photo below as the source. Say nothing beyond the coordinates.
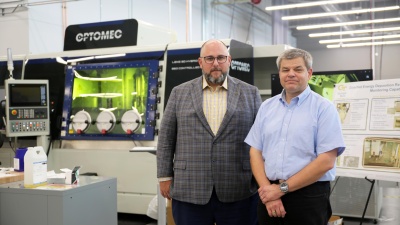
(13, 112)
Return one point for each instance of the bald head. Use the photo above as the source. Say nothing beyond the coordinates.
(213, 42)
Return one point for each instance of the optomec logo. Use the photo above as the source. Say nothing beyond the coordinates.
(99, 35)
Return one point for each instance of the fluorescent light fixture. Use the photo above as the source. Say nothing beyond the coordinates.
(307, 4)
(357, 11)
(327, 25)
(354, 32)
(363, 44)
(359, 39)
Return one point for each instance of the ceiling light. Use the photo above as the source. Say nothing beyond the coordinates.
(358, 11)
(354, 32)
(307, 4)
(359, 39)
(317, 26)
(364, 44)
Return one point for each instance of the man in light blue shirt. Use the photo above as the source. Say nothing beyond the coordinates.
(294, 141)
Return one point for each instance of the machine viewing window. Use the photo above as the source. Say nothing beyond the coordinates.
(27, 95)
(110, 101)
(323, 83)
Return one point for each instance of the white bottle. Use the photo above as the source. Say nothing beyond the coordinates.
(35, 173)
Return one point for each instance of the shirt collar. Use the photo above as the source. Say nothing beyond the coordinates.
(302, 97)
(298, 99)
(224, 84)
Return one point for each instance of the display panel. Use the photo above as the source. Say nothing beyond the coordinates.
(323, 83)
(110, 101)
(27, 95)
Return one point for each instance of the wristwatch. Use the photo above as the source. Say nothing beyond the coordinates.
(284, 187)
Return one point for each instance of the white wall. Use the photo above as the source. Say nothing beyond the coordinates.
(14, 32)
(45, 28)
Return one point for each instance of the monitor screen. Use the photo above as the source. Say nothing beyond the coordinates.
(323, 83)
(27, 95)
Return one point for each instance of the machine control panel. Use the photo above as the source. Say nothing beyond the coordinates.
(27, 107)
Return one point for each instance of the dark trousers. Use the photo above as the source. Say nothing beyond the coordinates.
(309, 205)
(242, 212)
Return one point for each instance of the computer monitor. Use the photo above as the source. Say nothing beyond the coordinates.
(323, 83)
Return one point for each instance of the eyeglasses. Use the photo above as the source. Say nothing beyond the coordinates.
(211, 59)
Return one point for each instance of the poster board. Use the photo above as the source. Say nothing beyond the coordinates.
(370, 115)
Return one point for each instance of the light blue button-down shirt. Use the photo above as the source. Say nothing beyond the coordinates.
(290, 136)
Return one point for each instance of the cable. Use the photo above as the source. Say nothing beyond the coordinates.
(162, 57)
(251, 19)
(1, 140)
(333, 188)
(49, 147)
(12, 147)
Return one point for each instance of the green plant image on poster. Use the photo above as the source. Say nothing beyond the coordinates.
(324, 84)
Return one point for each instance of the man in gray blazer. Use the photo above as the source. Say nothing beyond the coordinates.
(203, 163)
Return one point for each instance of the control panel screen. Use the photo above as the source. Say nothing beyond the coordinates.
(27, 95)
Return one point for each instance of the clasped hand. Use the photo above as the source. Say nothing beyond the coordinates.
(270, 196)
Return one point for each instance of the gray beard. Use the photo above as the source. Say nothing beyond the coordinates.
(212, 80)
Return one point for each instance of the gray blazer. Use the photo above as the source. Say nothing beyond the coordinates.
(197, 159)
